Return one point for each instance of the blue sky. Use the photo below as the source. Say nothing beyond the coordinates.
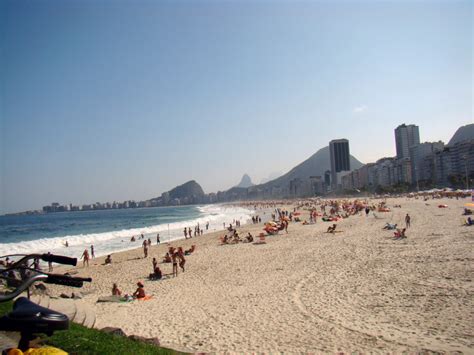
(114, 100)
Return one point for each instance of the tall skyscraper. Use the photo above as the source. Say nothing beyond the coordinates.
(339, 155)
(406, 136)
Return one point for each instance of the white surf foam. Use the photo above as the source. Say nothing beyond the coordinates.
(115, 241)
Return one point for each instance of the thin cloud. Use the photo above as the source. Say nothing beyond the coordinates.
(360, 109)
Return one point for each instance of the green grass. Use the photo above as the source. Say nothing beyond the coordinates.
(82, 340)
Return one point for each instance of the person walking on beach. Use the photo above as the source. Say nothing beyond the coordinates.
(85, 256)
(185, 233)
(158, 238)
(407, 221)
(92, 252)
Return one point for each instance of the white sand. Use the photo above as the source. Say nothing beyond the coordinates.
(308, 291)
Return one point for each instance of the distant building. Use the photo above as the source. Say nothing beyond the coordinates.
(406, 136)
(327, 179)
(339, 157)
(420, 162)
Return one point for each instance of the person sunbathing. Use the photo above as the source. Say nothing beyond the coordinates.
(389, 226)
(249, 238)
(156, 275)
(140, 292)
(116, 291)
(167, 258)
(190, 251)
(469, 222)
(399, 234)
(331, 229)
(236, 238)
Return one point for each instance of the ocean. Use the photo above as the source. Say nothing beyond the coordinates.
(109, 230)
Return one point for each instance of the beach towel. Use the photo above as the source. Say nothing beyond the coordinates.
(113, 299)
(146, 298)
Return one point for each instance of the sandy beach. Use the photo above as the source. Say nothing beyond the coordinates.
(307, 291)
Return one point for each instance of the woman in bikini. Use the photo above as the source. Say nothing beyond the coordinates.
(174, 259)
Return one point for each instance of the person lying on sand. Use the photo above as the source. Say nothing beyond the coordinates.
(140, 292)
(389, 226)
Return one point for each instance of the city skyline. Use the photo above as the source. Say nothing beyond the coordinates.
(94, 111)
(337, 162)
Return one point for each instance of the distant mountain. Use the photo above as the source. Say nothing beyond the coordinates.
(272, 176)
(245, 182)
(187, 190)
(315, 165)
(463, 133)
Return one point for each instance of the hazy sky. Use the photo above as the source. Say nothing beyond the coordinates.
(115, 100)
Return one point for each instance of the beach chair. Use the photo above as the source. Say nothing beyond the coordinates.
(261, 239)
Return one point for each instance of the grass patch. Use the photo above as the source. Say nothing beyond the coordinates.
(5, 307)
(82, 340)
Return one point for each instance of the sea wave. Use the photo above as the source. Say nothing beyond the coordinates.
(114, 241)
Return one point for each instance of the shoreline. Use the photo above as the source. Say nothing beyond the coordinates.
(306, 291)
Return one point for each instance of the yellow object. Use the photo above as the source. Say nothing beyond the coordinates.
(47, 350)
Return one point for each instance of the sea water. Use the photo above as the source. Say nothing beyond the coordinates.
(109, 230)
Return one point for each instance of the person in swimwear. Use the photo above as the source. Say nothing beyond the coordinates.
(174, 259)
(140, 292)
(116, 291)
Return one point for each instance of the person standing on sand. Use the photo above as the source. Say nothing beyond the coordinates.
(92, 252)
(185, 233)
(407, 220)
(175, 264)
(85, 256)
(145, 248)
(158, 238)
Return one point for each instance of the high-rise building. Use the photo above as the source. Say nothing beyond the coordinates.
(406, 136)
(339, 155)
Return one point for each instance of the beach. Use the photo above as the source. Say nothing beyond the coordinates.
(306, 290)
